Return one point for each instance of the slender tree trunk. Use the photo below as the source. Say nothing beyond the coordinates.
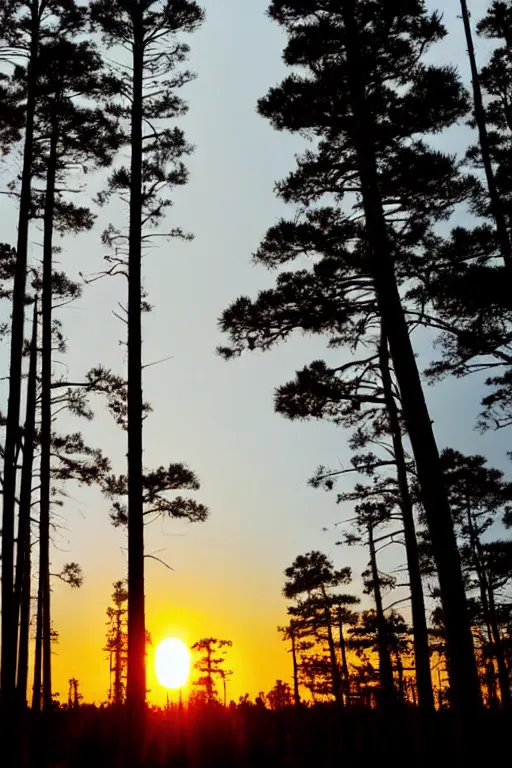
(503, 675)
(489, 608)
(296, 693)
(118, 691)
(24, 641)
(385, 666)
(419, 621)
(497, 208)
(337, 687)
(479, 568)
(463, 670)
(136, 681)
(209, 674)
(38, 654)
(12, 436)
(400, 671)
(343, 649)
(23, 554)
(46, 412)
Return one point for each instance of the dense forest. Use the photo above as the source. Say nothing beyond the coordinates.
(389, 241)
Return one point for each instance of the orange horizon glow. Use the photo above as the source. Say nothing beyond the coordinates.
(258, 656)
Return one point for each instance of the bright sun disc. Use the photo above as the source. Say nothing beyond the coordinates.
(172, 663)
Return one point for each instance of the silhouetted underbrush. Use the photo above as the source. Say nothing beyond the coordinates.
(210, 736)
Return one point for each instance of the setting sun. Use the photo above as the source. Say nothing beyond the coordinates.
(172, 663)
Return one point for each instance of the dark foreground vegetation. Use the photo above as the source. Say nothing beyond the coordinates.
(247, 736)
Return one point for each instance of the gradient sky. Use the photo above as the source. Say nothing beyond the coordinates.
(216, 416)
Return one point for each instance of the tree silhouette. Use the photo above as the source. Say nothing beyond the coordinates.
(314, 575)
(23, 580)
(463, 290)
(345, 618)
(291, 634)
(67, 134)
(211, 665)
(497, 208)
(362, 395)
(280, 696)
(117, 642)
(369, 516)
(26, 25)
(150, 31)
(375, 51)
(477, 494)
(70, 458)
(366, 636)
(74, 696)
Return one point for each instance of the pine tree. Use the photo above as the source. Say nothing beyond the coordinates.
(68, 133)
(150, 30)
(464, 292)
(310, 578)
(117, 641)
(211, 664)
(362, 395)
(366, 636)
(23, 583)
(345, 617)
(496, 203)
(477, 495)
(71, 459)
(364, 91)
(369, 515)
(291, 634)
(280, 697)
(26, 24)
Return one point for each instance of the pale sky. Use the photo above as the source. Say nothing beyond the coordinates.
(217, 416)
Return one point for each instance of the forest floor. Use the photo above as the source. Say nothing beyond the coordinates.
(250, 737)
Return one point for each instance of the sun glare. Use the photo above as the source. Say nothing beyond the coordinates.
(172, 663)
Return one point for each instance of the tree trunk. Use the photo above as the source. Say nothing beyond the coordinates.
(23, 554)
(209, 673)
(337, 688)
(12, 435)
(400, 672)
(503, 675)
(46, 413)
(38, 653)
(497, 208)
(419, 621)
(387, 684)
(489, 608)
(118, 690)
(136, 679)
(296, 693)
(343, 649)
(463, 670)
(24, 635)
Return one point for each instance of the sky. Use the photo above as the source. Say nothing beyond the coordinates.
(227, 574)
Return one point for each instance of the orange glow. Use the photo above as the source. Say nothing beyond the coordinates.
(258, 656)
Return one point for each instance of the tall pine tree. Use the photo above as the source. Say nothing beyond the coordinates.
(363, 96)
(26, 24)
(150, 30)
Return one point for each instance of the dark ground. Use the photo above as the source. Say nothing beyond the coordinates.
(249, 737)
